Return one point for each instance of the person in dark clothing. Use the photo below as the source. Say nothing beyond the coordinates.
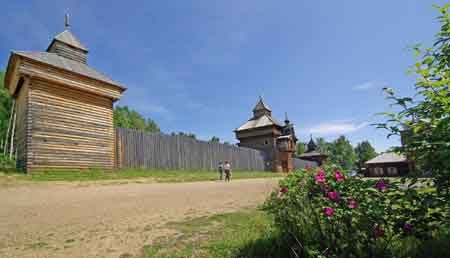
(220, 170)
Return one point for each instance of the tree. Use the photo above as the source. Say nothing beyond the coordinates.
(364, 152)
(424, 119)
(301, 148)
(323, 146)
(190, 135)
(341, 153)
(215, 139)
(5, 109)
(126, 118)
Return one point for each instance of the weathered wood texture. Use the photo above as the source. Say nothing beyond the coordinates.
(21, 108)
(69, 129)
(68, 52)
(136, 149)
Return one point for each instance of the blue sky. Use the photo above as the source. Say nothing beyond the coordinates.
(199, 66)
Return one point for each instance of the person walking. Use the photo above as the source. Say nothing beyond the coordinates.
(227, 170)
(220, 170)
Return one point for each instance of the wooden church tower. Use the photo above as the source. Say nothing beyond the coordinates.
(63, 107)
(263, 132)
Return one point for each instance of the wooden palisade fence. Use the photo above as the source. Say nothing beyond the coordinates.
(136, 149)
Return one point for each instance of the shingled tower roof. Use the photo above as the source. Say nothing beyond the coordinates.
(261, 109)
(261, 105)
(68, 38)
(311, 145)
(67, 52)
(262, 116)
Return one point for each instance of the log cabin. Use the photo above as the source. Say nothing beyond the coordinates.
(63, 108)
(388, 164)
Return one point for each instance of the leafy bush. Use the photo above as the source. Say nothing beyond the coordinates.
(324, 213)
(6, 163)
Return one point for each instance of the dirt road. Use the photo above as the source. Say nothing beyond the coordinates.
(69, 220)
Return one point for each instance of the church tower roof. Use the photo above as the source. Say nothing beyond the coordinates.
(261, 109)
(65, 44)
(261, 106)
(262, 116)
(311, 145)
(68, 38)
(64, 52)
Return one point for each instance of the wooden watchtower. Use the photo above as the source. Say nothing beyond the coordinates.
(263, 132)
(63, 107)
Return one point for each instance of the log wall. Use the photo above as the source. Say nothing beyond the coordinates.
(135, 149)
(69, 129)
(20, 136)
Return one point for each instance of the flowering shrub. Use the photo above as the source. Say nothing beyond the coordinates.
(324, 213)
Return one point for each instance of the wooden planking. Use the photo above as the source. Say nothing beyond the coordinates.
(68, 52)
(70, 129)
(135, 149)
(21, 128)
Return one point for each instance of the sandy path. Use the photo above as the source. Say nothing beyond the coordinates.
(69, 220)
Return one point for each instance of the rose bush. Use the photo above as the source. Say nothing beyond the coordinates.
(323, 213)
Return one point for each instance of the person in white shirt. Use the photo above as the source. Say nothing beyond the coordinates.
(227, 170)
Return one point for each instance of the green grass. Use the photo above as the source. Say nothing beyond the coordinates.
(248, 233)
(153, 175)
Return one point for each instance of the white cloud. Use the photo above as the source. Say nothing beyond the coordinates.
(369, 85)
(337, 128)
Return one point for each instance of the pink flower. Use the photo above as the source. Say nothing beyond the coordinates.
(352, 203)
(338, 176)
(407, 228)
(284, 190)
(377, 232)
(333, 196)
(381, 185)
(328, 211)
(320, 177)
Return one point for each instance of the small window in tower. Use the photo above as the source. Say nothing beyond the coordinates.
(266, 142)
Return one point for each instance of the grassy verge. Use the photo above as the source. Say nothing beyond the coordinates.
(153, 175)
(252, 234)
(248, 233)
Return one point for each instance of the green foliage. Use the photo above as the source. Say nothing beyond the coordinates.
(424, 120)
(5, 109)
(324, 213)
(301, 148)
(190, 135)
(341, 152)
(323, 146)
(215, 139)
(6, 163)
(127, 118)
(364, 152)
